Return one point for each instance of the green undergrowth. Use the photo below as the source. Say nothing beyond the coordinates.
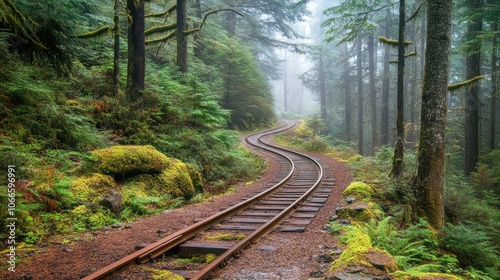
(381, 216)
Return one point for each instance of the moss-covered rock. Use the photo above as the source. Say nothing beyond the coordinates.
(125, 160)
(359, 190)
(178, 180)
(359, 211)
(92, 188)
(360, 253)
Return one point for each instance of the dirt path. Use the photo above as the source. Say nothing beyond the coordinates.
(276, 256)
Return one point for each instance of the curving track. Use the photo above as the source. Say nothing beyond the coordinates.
(286, 204)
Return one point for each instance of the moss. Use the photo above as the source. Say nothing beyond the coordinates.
(403, 275)
(92, 188)
(179, 180)
(357, 244)
(225, 236)
(163, 274)
(122, 160)
(359, 190)
(361, 212)
(83, 218)
(359, 251)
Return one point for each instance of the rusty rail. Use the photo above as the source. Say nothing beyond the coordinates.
(160, 247)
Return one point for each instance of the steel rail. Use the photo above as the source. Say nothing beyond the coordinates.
(163, 245)
(234, 251)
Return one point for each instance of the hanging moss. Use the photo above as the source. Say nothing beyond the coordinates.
(392, 42)
(466, 84)
(101, 31)
(126, 160)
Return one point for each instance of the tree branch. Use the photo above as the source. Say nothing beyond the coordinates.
(160, 28)
(467, 84)
(167, 12)
(190, 31)
(162, 39)
(95, 33)
(417, 12)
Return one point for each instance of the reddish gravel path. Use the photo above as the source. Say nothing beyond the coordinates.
(276, 256)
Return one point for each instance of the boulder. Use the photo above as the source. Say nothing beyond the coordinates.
(113, 203)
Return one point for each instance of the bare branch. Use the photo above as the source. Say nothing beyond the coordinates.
(162, 39)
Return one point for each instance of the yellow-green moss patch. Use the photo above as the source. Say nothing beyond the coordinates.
(361, 212)
(357, 245)
(360, 252)
(359, 189)
(163, 274)
(121, 160)
(225, 236)
(403, 275)
(92, 188)
(178, 180)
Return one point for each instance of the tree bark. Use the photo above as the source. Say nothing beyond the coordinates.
(136, 67)
(429, 183)
(347, 95)
(384, 121)
(397, 162)
(285, 86)
(360, 95)
(182, 50)
(493, 112)
(473, 65)
(116, 49)
(373, 91)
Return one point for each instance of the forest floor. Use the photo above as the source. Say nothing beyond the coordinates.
(275, 256)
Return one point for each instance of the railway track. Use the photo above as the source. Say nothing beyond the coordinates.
(287, 204)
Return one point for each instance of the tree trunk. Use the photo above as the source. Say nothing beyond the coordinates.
(182, 51)
(493, 116)
(116, 49)
(347, 93)
(473, 65)
(360, 95)
(285, 86)
(384, 121)
(373, 91)
(136, 67)
(322, 89)
(397, 161)
(429, 183)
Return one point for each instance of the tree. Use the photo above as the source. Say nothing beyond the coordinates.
(182, 50)
(429, 181)
(493, 88)
(136, 67)
(473, 69)
(397, 161)
(384, 122)
(359, 61)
